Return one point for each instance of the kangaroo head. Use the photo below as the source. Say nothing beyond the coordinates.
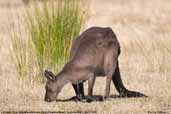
(51, 87)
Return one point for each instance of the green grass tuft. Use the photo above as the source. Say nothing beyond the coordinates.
(50, 28)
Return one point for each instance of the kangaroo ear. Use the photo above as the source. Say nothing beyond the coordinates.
(49, 75)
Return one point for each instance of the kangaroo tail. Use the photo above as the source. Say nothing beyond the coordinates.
(116, 78)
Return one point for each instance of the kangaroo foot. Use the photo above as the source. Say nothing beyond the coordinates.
(78, 98)
(105, 98)
(94, 98)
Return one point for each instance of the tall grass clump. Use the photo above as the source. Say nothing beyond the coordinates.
(50, 28)
(53, 28)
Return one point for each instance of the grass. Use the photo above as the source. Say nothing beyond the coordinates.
(51, 28)
(144, 34)
(154, 53)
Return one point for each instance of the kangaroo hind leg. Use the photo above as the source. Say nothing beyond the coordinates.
(110, 63)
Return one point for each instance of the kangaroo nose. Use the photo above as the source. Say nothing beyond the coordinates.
(47, 100)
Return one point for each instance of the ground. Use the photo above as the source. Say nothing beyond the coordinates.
(143, 28)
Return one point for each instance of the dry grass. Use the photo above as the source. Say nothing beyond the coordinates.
(144, 30)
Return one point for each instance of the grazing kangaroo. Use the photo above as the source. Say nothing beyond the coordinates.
(94, 53)
(116, 78)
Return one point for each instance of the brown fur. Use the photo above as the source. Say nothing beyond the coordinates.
(95, 53)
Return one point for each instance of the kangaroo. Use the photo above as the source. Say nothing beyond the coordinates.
(94, 53)
(116, 78)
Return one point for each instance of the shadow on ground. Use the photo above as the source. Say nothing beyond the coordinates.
(94, 98)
